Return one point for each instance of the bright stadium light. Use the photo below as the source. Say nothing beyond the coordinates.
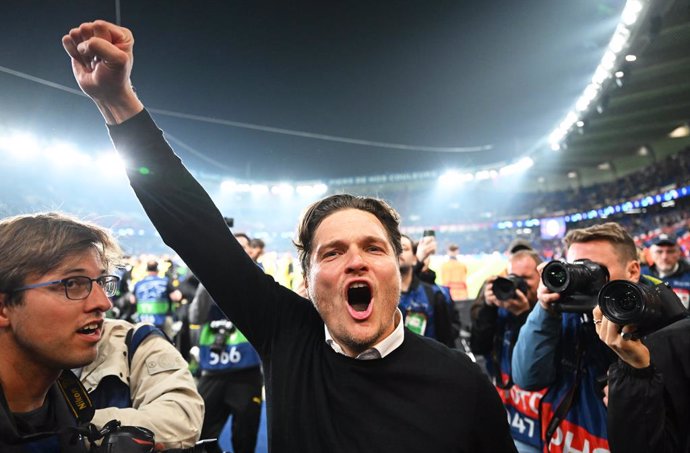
(320, 189)
(312, 189)
(620, 39)
(454, 177)
(631, 12)
(522, 165)
(65, 154)
(21, 144)
(282, 189)
(228, 185)
(259, 189)
(485, 174)
(111, 163)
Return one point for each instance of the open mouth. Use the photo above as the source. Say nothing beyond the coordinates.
(359, 296)
(89, 329)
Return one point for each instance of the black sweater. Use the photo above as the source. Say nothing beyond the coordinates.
(423, 397)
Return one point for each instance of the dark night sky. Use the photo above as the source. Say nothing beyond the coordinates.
(419, 73)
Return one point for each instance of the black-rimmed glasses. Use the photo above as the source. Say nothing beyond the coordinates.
(79, 287)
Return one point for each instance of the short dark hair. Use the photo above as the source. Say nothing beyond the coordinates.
(257, 243)
(321, 209)
(526, 253)
(242, 235)
(152, 266)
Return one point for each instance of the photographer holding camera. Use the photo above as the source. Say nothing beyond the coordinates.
(54, 289)
(558, 347)
(495, 326)
(649, 385)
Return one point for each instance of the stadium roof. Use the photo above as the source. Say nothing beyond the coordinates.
(309, 90)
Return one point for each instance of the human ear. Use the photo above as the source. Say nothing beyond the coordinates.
(4, 311)
(633, 270)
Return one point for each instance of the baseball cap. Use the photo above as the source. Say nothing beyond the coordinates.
(664, 239)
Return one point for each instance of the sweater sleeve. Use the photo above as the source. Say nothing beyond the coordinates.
(190, 223)
(534, 356)
(492, 433)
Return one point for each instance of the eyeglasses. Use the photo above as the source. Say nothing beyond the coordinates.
(79, 287)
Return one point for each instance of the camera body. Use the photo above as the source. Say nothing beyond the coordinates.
(222, 329)
(647, 306)
(578, 283)
(121, 439)
(504, 287)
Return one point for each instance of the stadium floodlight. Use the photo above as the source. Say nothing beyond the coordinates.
(228, 185)
(485, 174)
(522, 165)
(454, 177)
(680, 131)
(312, 189)
(259, 189)
(65, 154)
(111, 163)
(22, 145)
(630, 58)
(631, 12)
(619, 39)
(320, 189)
(608, 61)
(282, 189)
(600, 75)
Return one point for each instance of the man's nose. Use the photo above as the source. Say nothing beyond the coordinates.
(97, 300)
(356, 261)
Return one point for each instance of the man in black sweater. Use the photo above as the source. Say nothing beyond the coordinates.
(361, 383)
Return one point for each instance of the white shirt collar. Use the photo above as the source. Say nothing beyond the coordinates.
(384, 347)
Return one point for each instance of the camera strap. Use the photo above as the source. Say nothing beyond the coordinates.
(76, 396)
(567, 401)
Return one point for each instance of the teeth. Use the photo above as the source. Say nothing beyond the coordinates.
(359, 285)
(92, 326)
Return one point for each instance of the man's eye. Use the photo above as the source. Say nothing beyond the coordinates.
(71, 283)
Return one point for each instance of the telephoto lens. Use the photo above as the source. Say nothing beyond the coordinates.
(649, 307)
(581, 277)
(578, 284)
(504, 287)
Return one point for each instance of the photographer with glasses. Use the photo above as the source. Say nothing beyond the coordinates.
(54, 289)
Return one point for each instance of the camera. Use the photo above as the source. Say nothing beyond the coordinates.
(120, 439)
(649, 307)
(222, 329)
(578, 283)
(504, 287)
(429, 233)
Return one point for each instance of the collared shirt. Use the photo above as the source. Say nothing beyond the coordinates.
(383, 347)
